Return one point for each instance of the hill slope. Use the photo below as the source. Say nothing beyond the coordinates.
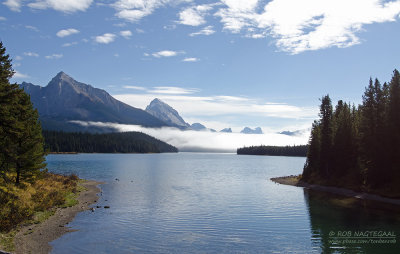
(122, 142)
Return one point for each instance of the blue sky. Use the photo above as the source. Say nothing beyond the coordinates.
(230, 63)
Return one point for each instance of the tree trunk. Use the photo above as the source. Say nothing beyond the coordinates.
(18, 174)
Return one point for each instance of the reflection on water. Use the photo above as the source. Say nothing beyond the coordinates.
(346, 225)
(206, 203)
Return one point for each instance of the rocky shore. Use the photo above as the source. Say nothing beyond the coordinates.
(295, 181)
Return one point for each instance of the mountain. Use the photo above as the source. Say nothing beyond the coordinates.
(228, 130)
(166, 113)
(65, 99)
(198, 127)
(292, 133)
(248, 130)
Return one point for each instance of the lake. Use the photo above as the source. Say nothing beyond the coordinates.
(216, 203)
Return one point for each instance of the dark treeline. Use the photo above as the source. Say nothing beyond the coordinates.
(358, 148)
(123, 142)
(300, 150)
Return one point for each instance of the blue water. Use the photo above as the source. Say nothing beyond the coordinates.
(208, 203)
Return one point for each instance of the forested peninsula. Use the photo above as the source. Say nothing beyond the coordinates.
(300, 150)
(358, 148)
(122, 142)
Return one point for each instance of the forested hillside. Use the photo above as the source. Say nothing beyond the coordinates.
(358, 147)
(123, 142)
(300, 150)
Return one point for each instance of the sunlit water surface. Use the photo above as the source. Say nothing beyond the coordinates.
(210, 203)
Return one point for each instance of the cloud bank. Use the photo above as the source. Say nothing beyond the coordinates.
(204, 141)
(192, 105)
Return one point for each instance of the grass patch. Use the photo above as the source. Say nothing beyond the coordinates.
(70, 200)
(33, 203)
(42, 216)
(7, 241)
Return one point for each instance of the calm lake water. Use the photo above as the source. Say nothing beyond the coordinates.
(215, 203)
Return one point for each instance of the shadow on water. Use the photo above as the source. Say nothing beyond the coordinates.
(348, 225)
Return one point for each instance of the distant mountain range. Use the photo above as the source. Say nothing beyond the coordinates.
(248, 130)
(226, 130)
(292, 133)
(65, 99)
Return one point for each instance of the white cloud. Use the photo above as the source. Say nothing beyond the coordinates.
(33, 28)
(31, 54)
(139, 31)
(105, 38)
(172, 90)
(299, 26)
(69, 44)
(237, 14)
(191, 59)
(323, 24)
(208, 30)
(194, 16)
(3, 18)
(134, 10)
(54, 56)
(14, 5)
(126, 34)
(67, 32)
(203, 140)
(68, 6)
(135, 87)
(166, 53)
(170, 27)
(120, 25)
(18, 58)
(20, 75)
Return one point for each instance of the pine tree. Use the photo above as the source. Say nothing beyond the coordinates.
(368, 129)
(7, 95)
(394, 126)
(312, 164)
(326, 136)
(344, 156)
(21, 152)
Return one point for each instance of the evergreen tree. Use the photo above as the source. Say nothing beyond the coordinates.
(312, 164)
(7, 95)
(21, 152)
(344, 156)
(326, 136)
(394, 126)
(368, 137)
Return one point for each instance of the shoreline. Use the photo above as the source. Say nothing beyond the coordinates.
(35, 238)
(295, 181)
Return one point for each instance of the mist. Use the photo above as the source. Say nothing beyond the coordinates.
(205, 141)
